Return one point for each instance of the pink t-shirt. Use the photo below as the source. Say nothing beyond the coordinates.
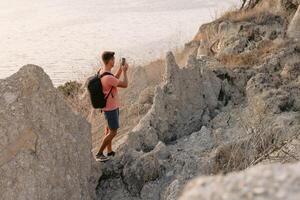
(112, 101)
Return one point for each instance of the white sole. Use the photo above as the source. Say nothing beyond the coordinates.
(102, 160)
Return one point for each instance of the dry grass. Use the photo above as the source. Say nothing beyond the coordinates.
(259, 11)
(239, 154)
(252, 58)
(290, 152)
(261, 142)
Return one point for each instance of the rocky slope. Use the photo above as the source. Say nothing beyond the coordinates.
(274, 182)
(136, 100)
(44, 146)
(233, 105)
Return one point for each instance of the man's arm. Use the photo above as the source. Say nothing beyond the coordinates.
(119, 72)
(124, 82)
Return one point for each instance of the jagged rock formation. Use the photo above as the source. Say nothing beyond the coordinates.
(241, 35)
(44, 146)
(158, 159)
(294, 27)
(211, 115)
(274, 182)
(225, 37)
(233, 105)
(185, 102)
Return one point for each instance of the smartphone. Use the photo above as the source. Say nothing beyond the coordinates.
(123, 61)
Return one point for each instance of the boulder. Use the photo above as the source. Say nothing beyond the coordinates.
(144, 169)
(45, 149)
(142, 138)
(271, 182)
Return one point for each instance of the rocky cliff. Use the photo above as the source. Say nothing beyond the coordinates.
(44, 146)
(233, 105)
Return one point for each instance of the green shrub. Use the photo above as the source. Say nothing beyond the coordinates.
(70, 88)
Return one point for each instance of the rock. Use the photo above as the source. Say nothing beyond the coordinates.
(271, 182)
(236, 46)
(143, 137)
(293, 87)
(291, 71)
(202, 139)
(203, 50)
(294, 26)
(45, 147)
(151, 190)
(232, 34)
(9, 97)
(179, 104)
(146, 168)
(172, 190)
(263, 95)
(224, 26)
(146, 96)
(161, 152)
(206, 117)
(178, 109)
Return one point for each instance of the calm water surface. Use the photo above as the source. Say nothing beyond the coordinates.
(65, 37)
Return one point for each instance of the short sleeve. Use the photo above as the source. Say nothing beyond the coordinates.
(113, 81)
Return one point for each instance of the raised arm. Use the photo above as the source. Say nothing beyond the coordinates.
(119, 72)
(124, 83)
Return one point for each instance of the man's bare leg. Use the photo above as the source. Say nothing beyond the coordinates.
(109, 146)
(107, 139)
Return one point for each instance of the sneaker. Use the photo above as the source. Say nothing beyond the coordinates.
(101, 158)
(111, 154)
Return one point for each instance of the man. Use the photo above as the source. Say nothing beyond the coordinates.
(110, 83)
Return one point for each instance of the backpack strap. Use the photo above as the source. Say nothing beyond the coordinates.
(109, 94)
(106, 74)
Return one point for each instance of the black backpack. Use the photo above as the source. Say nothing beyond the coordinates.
(98, 98)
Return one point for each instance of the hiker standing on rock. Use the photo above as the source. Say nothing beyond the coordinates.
(110, 83)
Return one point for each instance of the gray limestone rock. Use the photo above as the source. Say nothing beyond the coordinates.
(294, 26)
(144, 169)
(45, 149)
(270, 182)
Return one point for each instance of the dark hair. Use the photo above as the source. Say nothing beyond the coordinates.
(107, 56)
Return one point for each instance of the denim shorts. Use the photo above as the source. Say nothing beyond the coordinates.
(112, 118)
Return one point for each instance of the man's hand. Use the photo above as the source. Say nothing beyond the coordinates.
(119, 72)
(125, 67)
(124, 82)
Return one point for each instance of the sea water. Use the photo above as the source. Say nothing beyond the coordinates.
(66, 37)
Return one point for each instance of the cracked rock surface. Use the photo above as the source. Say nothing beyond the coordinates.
(44, 146)
(208, 117)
